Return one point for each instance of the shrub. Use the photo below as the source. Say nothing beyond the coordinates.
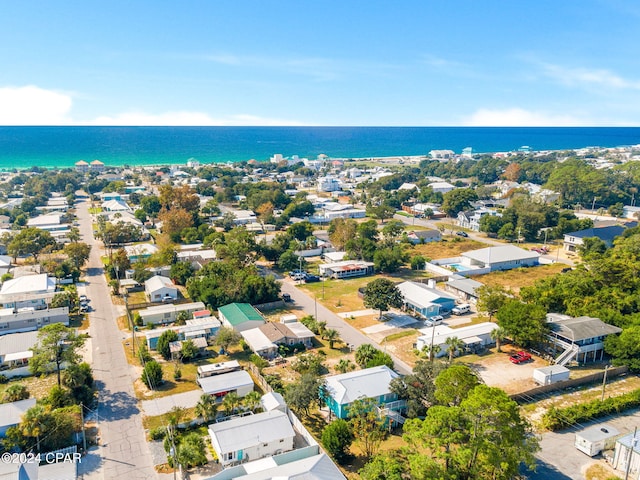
(157, 433)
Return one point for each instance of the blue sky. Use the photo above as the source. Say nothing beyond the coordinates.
(346, 62)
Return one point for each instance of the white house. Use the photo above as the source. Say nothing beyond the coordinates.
(115, 206)
(11, 413)
(160, 289)
(252, 437)
(239, 382)
(475, 337)
(346, 269)
(27, 320)
(426, 300)
(168, 313)
(442, 187)
(490, 259)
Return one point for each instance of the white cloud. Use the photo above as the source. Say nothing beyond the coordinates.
(31, 105)
(518, 117)
(185, 118)
(588, 78)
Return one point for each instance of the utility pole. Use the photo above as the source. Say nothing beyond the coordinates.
(593, 205)
(84, 436)
(604, 382)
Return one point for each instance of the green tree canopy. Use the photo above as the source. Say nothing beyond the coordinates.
(381, 294)
(525, 323)
(30, 241)
(164, 340)
(56, 345)
(337, 437)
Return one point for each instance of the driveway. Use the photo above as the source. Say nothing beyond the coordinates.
(159, 406)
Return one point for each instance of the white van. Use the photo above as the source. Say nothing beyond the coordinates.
(461, 309)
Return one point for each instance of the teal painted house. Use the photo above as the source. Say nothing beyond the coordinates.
(342, 390)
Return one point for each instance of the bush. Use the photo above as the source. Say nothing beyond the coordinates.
(157, 433)
(152, 374)
(258, 361)
(559, 418)
(3, 379)
(337, 437)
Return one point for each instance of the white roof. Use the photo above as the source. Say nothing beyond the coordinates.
(10, 413)
(17, 343)
(316, 467)
(29, 284)
(47, 219)
(140, 249)
(421, 294)
(224, 382)
(272, 401)
(115, 205)
(299, 330)
(368, 383)
(503, 253)
(158, 282)
(257, 340)
(599, 432)
(245, 432)
(471, 333)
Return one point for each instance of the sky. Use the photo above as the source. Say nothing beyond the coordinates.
(328, 62)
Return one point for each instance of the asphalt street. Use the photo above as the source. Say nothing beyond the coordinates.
(123, 451)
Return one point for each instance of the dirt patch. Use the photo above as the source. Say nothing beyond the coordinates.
(517, 278)
(448, 247)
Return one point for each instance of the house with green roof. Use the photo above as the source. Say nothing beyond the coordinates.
(240, 316)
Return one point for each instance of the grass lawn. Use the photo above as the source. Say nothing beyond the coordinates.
(519, 277)
(38, 386)
(149, 423)
(338, 295)
(95, 210)
(448, 247)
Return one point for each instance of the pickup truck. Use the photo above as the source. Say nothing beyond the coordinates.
(520, 357)
(286, 297)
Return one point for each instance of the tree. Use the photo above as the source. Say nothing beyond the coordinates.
(152, 374)
(15, 392)
(497, 335)
(392, 231)
(191, 450)
(188, 351)
(251, 401)
(164, 340)
(458, 200)
(453, 345)
(381, 212)
(175, 220)
(239, 248)
(382, 294)
(418, 388)
(78, 253)
(206, 408)
(227, 337)
(181, 272)
(364, 353)
(454, 384)
(56, 345)
(366, 424)
(384, 466)
(345, 365)
(389, 260)
(491, 298)
(231, 402)
(340, 231)
(337, 437)
(30, 241)
(300, 231)
(332, 336)
(290, 261)
(524, 323)
(418, 262)
(305, 393)
(625, 348)
(380, 358)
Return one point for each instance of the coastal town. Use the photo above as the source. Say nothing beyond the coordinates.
(451, 315)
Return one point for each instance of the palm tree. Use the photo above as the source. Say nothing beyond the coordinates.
(498, 336)
(364, 353)
(332, 336)
(230, 403)
(345, 365)
(15, 393)
(206, 407)
(431, 351)
(251, 401)
(453, 345)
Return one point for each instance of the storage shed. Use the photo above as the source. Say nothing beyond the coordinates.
(594, 440)
(550, 374)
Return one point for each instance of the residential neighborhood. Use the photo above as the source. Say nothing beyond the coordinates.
(306, 317)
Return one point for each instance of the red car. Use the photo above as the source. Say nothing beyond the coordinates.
(520, 357)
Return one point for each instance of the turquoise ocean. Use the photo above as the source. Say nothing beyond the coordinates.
(59, 147)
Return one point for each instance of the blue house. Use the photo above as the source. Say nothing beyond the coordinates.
(426, 300)
(342, 390)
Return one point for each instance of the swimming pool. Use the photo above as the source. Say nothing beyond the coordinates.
(459, 267)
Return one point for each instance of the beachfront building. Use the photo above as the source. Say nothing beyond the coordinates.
(96, 166)
(82, 166)
(240, 316)
(252, 437)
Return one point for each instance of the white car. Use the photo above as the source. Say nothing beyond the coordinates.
(433, 321)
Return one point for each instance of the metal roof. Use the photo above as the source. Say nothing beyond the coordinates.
(368, 383)
(582, 328)
(237, 313)
(504, 253)
(225, 382)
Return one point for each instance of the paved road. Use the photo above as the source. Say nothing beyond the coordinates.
(123, 452)
(349, 334)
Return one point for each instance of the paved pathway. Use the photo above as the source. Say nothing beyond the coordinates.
(123, 452)
(158, 406)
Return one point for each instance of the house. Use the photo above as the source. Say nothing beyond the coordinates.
(15, 352)
(240, 316)
(424, 236)
(490, 259)
(273, 401)
(475, 337)
(242, 217)
(175, 348)
(61, 470)
(96, 166)
(626, 455)
(464, 288)
(115, 206)
(167, 313)
(106, 196)
(160, 289)
(205, 328)
(342, 390)
(471, 218)
(259, 343)
(252, 437)
(218, 368)
(580, 338)
(11, 413)
(329, 184)
(49, 222)
(425, 300)
(141, 251)
(442, 187)
(27, 291)
(265, 339)
(607, 234)
(346, 269)
(303, 463)
(26, 320)
(82, 166)
(239, 382)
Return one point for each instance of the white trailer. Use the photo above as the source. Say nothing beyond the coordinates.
(594, 440)
(551, 374)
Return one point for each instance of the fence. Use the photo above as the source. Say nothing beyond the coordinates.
(270, 305)
(529, 395)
